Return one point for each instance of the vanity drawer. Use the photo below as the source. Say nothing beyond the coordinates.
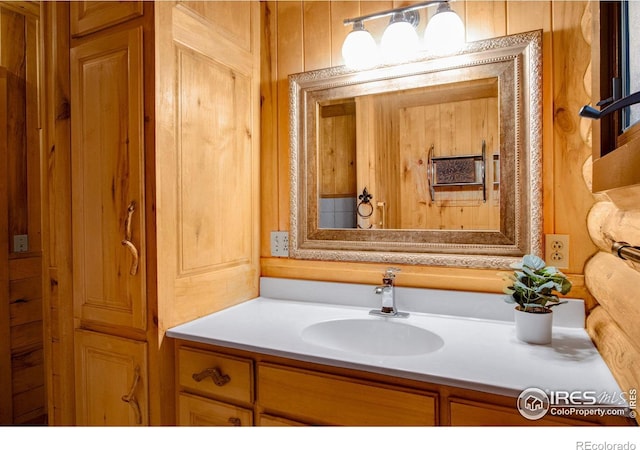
(198, 411)
(234, 375)
(469, 413)
(333, 400)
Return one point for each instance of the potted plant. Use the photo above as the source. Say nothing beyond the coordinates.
(535, 288)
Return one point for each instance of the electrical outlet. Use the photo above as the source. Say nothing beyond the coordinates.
(279, 243)
(20, 243)
(557, 250)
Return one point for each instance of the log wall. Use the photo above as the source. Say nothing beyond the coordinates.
(612, 321)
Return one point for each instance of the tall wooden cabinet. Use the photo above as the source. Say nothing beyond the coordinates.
(163, 195)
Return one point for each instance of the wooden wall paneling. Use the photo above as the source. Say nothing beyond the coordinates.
(317, 35)
(366, 168)
(28, 372)
(485, 19)
(451, 209)
(413, 150)
(12, 29)
(6, 400)
(25, 298)
(33, 126)
(21, 298)
(337, 166)
(269, 127)
(571, 59)
(525, 16)
(27, 361)
(207, 223)
(290, 51)
(28, 405)
(56, 182)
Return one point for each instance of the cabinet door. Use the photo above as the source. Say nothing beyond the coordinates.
(199, 411)
(107, 173)
(111, 380)
(90, 16)
(207, 149)
(469, 413)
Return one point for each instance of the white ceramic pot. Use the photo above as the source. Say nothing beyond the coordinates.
(534, 327)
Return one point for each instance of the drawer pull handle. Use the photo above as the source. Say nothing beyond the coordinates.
(218, 377)
(127, 238)
(236, 422)
(131, 399)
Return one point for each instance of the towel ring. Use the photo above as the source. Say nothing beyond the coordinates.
(365, 199)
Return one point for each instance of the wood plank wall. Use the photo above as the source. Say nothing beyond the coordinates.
(307, 35)
(23, 399)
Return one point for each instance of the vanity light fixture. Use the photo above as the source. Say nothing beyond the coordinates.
(444, 33)
(400, 40)
(359, 48)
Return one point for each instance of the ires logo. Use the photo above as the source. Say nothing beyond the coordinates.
(534, 403)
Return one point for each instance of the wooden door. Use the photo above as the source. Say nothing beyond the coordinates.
(207, 167)
(108, 180)
(111, 380)
(90, 16)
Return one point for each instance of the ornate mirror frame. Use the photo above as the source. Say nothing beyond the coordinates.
(516, 61)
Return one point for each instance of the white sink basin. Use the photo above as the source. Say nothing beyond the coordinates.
(373, 336)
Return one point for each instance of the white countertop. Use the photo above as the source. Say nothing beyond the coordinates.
(480, 349)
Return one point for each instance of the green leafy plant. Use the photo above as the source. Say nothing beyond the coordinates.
(534, 286)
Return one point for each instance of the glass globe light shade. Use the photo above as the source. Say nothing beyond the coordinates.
(400, 41)
(445, 31)
(359, 49)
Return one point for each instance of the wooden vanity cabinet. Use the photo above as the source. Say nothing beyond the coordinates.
(271, 391)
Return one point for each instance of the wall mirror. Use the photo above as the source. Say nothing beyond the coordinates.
(436, 161)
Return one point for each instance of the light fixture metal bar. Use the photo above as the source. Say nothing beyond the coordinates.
(390, 12)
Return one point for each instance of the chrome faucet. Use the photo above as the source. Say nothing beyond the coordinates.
(387, 290)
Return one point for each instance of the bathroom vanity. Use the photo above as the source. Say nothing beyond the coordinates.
(309, 353)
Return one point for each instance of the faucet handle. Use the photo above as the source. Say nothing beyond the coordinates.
(391, 272)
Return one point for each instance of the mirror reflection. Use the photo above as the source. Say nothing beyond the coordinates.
(424, 158)
(436, 161)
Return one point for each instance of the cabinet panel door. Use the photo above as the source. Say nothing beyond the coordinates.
(90, 16)
(107, 173)
(207, 149)
(111, 380)
(199, 411)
